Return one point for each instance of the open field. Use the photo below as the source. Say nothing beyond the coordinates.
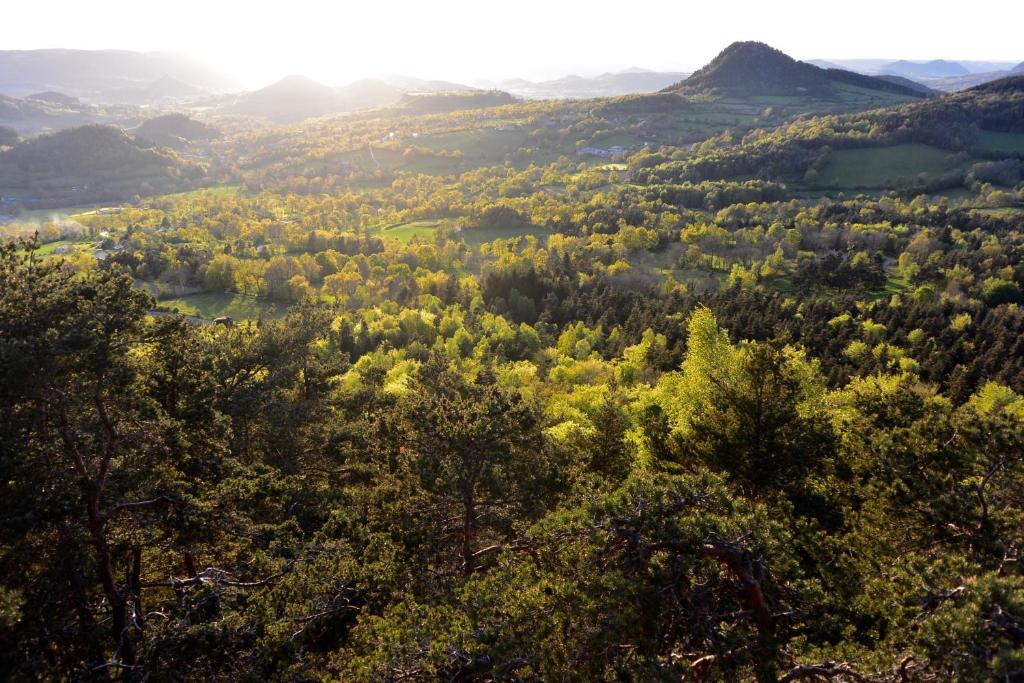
(215, 191)
(405, 232)
(1002, 142)
(215, 304)
(877, 167)
(425, 230)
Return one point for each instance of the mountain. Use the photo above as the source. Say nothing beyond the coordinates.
(874, 67)
(633, 81)
(750, 69)
(176, 131)
(291, 99)
(938, 68)
(1019, 69)
(91, 163)
(296, 97)
(85, 73)
(55, 98)
(985, 67)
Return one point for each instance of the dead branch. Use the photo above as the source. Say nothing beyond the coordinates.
(817, 672)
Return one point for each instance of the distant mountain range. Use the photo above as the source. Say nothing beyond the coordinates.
(940, 74)
(296, 97)
(752, 69)
(632, 81)
(91, 73)
(938, 68)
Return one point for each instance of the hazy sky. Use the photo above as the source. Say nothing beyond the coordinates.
(338, 40)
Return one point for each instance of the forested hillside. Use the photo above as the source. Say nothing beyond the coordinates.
(93, 163)
(683, 386)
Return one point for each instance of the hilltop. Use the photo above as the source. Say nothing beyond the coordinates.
(294, 98)
(175, 130)
(291, 98)
(752, 69)
(55, 98)
(92, 163)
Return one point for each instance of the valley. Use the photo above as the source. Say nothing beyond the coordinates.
(650, 375)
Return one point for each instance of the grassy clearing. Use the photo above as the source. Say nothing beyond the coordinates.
(893, 285)
(216, 304)
(1003, 142)
(71, 247)
(880, 167)
(216, 191)
(783, 285)
(404, 232)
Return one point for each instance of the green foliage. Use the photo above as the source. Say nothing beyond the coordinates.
(489, 410)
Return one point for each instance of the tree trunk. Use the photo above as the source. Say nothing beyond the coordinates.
(468, 532)
(124, 649)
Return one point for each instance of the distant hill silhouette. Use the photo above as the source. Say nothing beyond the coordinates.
(174, 130)
(290, 99)
(55, 98)
(632, 81)
(89, 72)
(749, 69)
(296, 97)
(939, 68)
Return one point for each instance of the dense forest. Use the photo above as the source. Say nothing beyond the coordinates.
(658, 388)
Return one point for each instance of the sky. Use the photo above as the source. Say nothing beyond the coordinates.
(337, 41)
